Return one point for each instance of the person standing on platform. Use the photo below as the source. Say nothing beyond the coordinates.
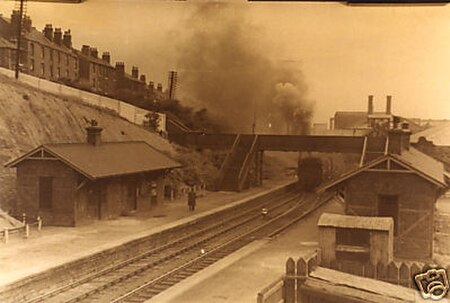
(192, 196)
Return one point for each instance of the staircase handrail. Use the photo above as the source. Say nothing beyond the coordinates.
(246, 164)
(228, 158)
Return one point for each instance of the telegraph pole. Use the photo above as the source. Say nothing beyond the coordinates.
(19, 38)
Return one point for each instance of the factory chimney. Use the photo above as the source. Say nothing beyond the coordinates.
(370, 105)
(388, 105)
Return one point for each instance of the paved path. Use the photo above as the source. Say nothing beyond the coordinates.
(57, 245)
(240, 276)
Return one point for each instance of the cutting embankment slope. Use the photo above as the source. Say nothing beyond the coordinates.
(29, 118)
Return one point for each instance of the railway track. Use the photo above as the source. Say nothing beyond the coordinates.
(146, 275)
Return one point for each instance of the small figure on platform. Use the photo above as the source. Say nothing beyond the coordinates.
(192, 196)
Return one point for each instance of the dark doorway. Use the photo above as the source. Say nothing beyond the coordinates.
(132, 195)
(388, 207)
(45, 192)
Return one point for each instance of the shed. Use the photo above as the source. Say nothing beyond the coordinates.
(69, 183)
(355, 238)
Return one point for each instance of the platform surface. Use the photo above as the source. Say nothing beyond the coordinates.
(54, 246)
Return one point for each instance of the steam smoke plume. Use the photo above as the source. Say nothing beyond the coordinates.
(222, 70)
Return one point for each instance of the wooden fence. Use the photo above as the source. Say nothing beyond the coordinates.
(287, 289)
(21, 230)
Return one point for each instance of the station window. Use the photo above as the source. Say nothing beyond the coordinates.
(45, 192)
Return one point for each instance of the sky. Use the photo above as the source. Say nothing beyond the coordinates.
(344, 53)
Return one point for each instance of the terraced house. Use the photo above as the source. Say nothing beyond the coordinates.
(46, 55)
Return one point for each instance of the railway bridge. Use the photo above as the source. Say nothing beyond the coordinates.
(245, 151)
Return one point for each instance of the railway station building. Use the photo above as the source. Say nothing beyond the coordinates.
(71, 183)
(403, 183)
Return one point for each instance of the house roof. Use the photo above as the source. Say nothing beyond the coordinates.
(4, 43)
(107, 159)
(439, 134)
(412, 159)
(99, 61)
(345, 221)
(350, 119)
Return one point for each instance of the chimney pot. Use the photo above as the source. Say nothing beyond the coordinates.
(94, 52)
(67, 39)
(388, 105)
(85, 49)
(58, 36)
(94, 134)
(106, 56)
(135, 72)
(370, 105)
(48, 32)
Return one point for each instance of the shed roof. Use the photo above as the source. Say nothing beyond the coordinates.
(412, 159)
(107, 159)
(360, 222)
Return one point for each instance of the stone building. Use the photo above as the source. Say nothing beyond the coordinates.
(46, 55)
(7, 53)
(67, 184)
(403, 183)
(96, 74)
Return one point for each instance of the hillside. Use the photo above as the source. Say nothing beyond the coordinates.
(29, 117)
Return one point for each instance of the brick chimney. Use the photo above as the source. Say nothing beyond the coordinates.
(370, 105)
(94, 52)
(27, 24)
(159, 87)
(135, 72)
(15, 20)
(399, 139)
(151, 86)
(57, 37)
(120, 68)
(142, 78)
(94, 133)
(67, 39)
(86, 50)
(48, 32)
(388, 105)
(106, 56)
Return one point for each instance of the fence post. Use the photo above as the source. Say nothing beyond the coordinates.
(6, 233)
(39, 222)
(392, 273)
(405, 275)
(289, 282)
(302, 274)
(27, 231)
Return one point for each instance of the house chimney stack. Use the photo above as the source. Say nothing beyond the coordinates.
(106, 56)
(399, 139)
(120, 68)
(135, 72)
(159, 87)
(94, 133)
(142, 78)
(58, 36)
(86, 49)
(94, 52)
(370, 105)
(67, 39)
(48, 32)
(388, 105)
(27, 23)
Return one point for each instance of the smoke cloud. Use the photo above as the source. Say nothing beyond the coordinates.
(223, 68)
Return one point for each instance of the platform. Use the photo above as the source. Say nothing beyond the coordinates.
(53, 246)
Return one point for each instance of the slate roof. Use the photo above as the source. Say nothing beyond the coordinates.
(414, 160)
(439, 135)
(107, 159)
(345, 221)
(99, 61)
(350, 119)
